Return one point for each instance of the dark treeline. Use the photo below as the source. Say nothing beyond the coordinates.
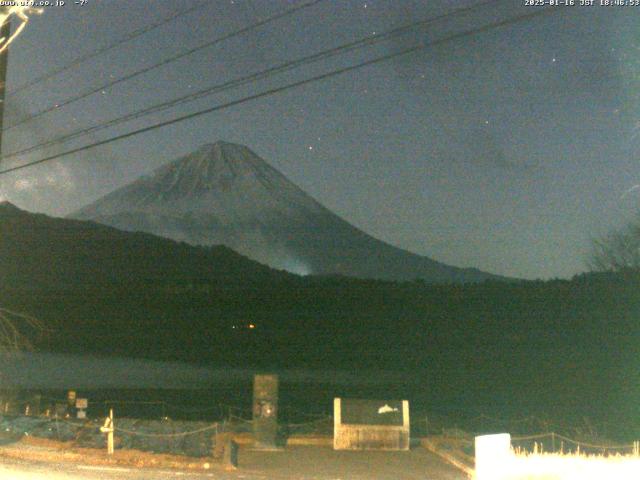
(570, 347)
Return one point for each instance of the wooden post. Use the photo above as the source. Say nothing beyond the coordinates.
(230, 455)
(37, 404)
(108, 429)
(337, 421)
(71, 403)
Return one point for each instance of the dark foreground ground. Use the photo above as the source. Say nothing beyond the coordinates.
(296, 462)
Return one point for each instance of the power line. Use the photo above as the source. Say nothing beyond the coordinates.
(83, 58)
(164, 62)
(289, 86)
(328, 53)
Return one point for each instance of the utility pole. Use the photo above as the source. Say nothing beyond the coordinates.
(5, 32)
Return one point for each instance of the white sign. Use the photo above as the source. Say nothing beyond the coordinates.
(386, 409)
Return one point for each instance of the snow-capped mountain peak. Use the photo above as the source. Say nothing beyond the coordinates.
(223, 193)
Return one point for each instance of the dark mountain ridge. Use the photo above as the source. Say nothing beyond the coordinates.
(37, 251)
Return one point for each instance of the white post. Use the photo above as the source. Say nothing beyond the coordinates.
(337, 421)
(110, 436)
(108, 428)
(405, 414)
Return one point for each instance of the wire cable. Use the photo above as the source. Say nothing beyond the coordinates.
(213, 426)
(164, 62)
(289, 86)
(94, 53)
(286, 66)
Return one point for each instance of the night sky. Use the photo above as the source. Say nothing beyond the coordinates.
(506, 151)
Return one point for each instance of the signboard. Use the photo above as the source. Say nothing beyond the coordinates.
(370, 424)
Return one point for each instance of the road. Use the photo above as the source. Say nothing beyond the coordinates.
(11, 469)
(294, 463)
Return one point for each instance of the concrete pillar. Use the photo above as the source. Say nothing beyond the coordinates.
(265, 410)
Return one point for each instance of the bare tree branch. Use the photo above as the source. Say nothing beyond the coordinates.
(617, 251)
(13, 326)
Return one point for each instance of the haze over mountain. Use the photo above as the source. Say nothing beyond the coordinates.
(224, 193)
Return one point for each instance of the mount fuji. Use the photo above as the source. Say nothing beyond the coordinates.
(224, 193)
